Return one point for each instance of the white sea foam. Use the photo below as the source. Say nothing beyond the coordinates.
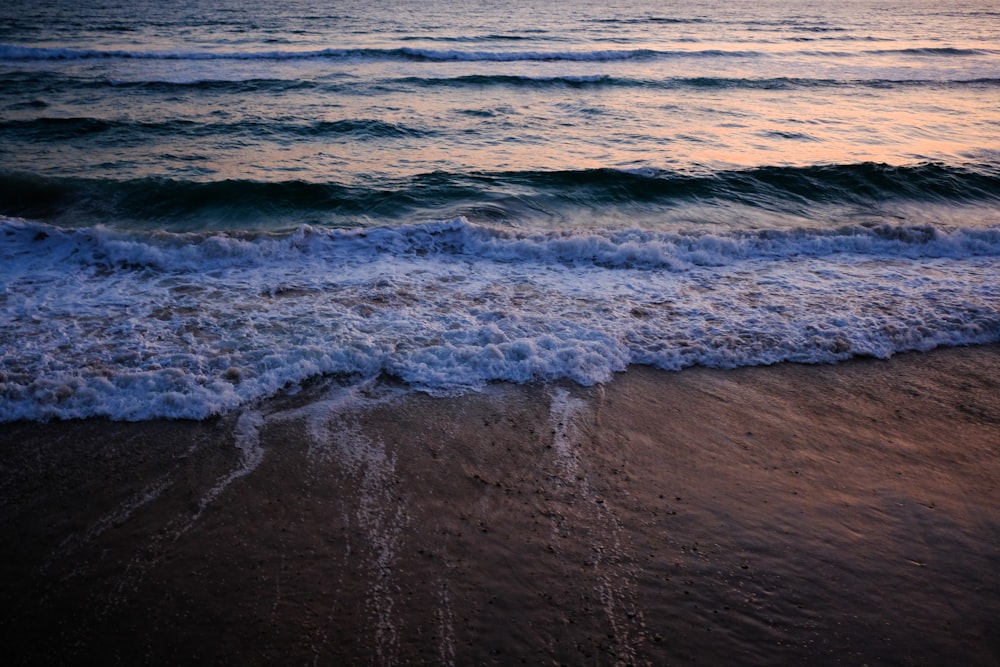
(134, 326)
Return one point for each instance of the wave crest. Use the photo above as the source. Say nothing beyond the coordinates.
(176, 203)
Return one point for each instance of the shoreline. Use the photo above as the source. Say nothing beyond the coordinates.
(830, 514)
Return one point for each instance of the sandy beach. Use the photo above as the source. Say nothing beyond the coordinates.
(825, 515)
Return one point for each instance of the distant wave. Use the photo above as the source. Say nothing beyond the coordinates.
(41, 81)
(166, 201)
(47, 80)
(938, 51)
(13, 52)
(942, 52)
(604, 80)
(61, 129)
(10, 52)
(650, 19)
(494, 37)
(243, 86)
(520, 80)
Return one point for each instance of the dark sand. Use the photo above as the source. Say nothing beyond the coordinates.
(822, 515)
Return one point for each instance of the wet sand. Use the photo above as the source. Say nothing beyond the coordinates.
(824, 515)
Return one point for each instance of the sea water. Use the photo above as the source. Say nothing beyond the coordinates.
(203, 204)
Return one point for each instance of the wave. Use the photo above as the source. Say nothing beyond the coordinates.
(240, 86)
(123, 250)
(515, 80)
(674, 83)
(47, 81)
(189, 203)
(144, 325)
(651, 19)
(941, 52)
(173, 203)
(531, 35)
(937, 51)
(861, 183)
(15, 53)
(57, 129)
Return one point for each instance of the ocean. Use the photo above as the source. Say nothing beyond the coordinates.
(206, 204)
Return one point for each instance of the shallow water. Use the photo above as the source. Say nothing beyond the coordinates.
(766, 516)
